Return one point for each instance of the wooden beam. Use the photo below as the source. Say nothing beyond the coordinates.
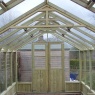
(81, 38)
(22, 17)
(85, 70)
(11, 67)
(26, 23)
(73, 17)
(3, 5)
(22, 39)
(82, 44)
(12, 40)
(46, 26)
(84, 4)
(90, 68)
(46, 1)
(27, 41)
(16, 67)
(5, 69)
(69, 22)
(85, 33)
(76, 41)
(90, 4)
(9, 5)
(47, 16)
(63, 67)
(68, 41)
(80, 65)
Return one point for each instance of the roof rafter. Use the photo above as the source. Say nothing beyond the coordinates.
(48, 22)
(68, 22)
(25, 41)
(22, 39)
(12, 40)
(21, 18)
(86, 4)
(73, 17)
(68, 41)
(23, 44)
(82, 44)
(26, 23)
(66, 32)
(9, 5)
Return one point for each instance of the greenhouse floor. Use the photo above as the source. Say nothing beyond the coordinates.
(51, 94)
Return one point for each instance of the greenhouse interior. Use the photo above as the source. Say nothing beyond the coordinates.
(47, 47)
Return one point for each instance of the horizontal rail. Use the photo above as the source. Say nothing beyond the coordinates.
(46, 26)
(11, 90)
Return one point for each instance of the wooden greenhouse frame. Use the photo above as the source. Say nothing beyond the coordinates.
(50, 19)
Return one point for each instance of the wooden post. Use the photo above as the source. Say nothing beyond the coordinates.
(84, 56)
(32, 66)
(16, 67)
(5, 64)
(48, 63)
(80, 65)
(11, 65)
(63, 67)
(90, 68)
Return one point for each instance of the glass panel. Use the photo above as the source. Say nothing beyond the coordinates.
(94, 6)
(67, 65)
(80, 12)
(55, 56)
(17, 11)
(6, 1)
(39, 56)
(40, 47)
(24, 66)
(0, 8)
(93, 79)
(74, 65)
(81, 35)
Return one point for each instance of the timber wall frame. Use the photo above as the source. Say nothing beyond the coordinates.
(11, 89)
(80, 86)
(47, 22)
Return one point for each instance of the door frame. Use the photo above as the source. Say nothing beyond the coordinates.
(47, 51)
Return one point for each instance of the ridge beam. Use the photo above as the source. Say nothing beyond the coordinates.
(46, 1)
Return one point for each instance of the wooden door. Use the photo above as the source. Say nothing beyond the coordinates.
(39, 67)
(48, 73)
(56, 68)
